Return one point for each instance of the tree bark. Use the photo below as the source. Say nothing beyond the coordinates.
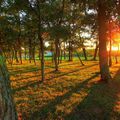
(7, 107)
(41, 40)
(16, 56)
(96, 51)
(42, 58)
(52, 52)
(103, 54)
(25, 53)
(70, 51)
(20, 55)
(110, 51)
(64, 52)
(61, 55)
(84, 53)
(20, 50)
(30, 51)
(33, 53)
(79, 58)
(56, 55)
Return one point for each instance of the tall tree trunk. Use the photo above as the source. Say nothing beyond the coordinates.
(103, 54)
(61, 55)
(20, 55)
(79, 58)
(16, 56)
(19, 50)
(84, 53)
(96, 51)
(12, 57)
(110, 50)
(42, 58)
(33, 53)
(56, 55)
(70, 51)
(39, 33)
(64, 52)
(30, 51)
(41, 39)
(25, 53)
(59, 51)
(52, 52)
(39, 53)
(116, 56)
(7, 107)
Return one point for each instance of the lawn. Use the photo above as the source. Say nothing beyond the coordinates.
(73, 93)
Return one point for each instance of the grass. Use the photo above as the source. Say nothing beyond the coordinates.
(73, 93)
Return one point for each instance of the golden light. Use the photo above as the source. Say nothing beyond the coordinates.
(116, 37)
(114, 48)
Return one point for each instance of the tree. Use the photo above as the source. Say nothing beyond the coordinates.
(7, 107)
(103, 55)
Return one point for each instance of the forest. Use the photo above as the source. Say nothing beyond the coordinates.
(59, 59)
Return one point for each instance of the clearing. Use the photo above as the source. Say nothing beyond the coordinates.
(72, 93)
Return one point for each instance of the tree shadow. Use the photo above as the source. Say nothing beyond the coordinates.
(27, 70)
(70, 64)
(100, 103)
(32, 84)
(50, 107)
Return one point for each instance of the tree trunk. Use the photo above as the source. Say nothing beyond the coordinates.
(70, 51)
(12, 57)
(7, 107)
(30, 45)
(61, 55)
(16, 56)
(34, 56)
(116, 59)
(79, 58)
(96, 51)
(110, 51)
(25, 53)
(84, 53)
(20, 50)
(64, 51)
(58, 52)
(56, 55)
(40, 39)
(20, 55)
(39, 53)
(116, 55)
(52, 52)
(103, 54)
(42, 58)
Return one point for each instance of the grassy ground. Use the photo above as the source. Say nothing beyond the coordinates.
(73, 93)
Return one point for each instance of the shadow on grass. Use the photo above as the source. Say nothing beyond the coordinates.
(50, 107)
(27, 70)
(32, 84)
(70, 63)
(100, 102)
